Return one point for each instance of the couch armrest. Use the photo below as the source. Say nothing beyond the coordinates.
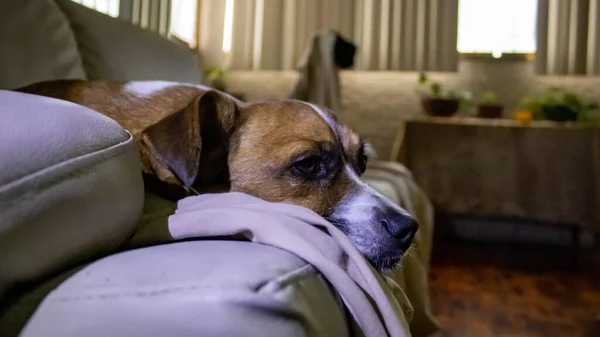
(70, 187)
(195, 288)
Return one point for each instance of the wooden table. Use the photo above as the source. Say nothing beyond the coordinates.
(542, 171)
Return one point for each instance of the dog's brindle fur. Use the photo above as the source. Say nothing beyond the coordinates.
(191, 138)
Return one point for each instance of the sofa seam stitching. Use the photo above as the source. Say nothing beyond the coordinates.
(132, 294)
(290, 277)
(93, 157)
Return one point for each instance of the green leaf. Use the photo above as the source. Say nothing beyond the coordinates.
(573, 101)
(215, 74)
(593, 106)
(436, 89)
(489, 97)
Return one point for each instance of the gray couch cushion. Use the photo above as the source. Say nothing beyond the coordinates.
(117, 50)
(70, 187)
(36, 44)
(197, 288)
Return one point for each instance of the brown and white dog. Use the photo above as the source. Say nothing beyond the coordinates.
(193, 139)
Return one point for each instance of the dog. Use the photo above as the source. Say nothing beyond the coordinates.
(193, 139)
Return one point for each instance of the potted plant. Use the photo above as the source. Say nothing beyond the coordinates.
(435, 101)
(216, 78)
(489, 107)
(560, 105)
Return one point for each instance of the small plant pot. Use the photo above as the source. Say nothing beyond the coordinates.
(490, 111)
(559, 113)
(440, 107)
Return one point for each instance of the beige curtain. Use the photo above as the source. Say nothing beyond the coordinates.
(390, 34)
(568, 37)
(153, 15)
(407, 34)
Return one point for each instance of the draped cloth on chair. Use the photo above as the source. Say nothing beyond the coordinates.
(390, 34)
(568, 37)
(319, 81)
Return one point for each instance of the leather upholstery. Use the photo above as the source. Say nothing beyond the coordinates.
(36, 44)
(196, 288)
(70, 187)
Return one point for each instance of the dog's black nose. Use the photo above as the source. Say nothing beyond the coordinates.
(403, 227)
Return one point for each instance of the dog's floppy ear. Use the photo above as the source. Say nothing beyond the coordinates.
(193, 143)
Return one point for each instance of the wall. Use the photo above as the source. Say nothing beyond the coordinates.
(374, 102)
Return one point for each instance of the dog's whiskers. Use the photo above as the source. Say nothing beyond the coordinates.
(190, 188)
(336, 223)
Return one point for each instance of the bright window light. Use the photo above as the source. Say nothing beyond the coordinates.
(228, 26)
(183, 20)
(497, 26)
(108, 7)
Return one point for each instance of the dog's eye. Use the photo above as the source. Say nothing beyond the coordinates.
(362, 158)
(362, 162)
(308, 166)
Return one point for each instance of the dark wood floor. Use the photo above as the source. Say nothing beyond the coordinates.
(481, 290)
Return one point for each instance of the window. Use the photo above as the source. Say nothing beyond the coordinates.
(184, 21)
(109, 7)
(497, 26)
(184, 14)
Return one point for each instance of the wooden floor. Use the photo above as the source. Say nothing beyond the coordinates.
(481, 290)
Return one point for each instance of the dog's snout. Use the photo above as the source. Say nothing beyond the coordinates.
(401, 226)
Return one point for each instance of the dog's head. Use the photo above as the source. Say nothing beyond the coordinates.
(284, 151)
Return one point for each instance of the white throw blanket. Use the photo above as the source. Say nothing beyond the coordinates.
(299, 231)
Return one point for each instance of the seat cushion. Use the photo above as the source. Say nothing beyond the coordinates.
(193, 288)
(37, 44)
(118, 50)
(70, 187)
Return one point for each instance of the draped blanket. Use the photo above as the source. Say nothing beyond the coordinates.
(373, 300)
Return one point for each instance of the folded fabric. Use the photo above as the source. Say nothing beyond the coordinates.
(300, 231)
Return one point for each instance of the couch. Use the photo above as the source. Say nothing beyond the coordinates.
(71, 196)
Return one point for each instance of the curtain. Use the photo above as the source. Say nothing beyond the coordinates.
(273, 34)
(568, 37)
(153, 15)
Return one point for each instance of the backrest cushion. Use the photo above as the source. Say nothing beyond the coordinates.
(36, 44)
(118, 50)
